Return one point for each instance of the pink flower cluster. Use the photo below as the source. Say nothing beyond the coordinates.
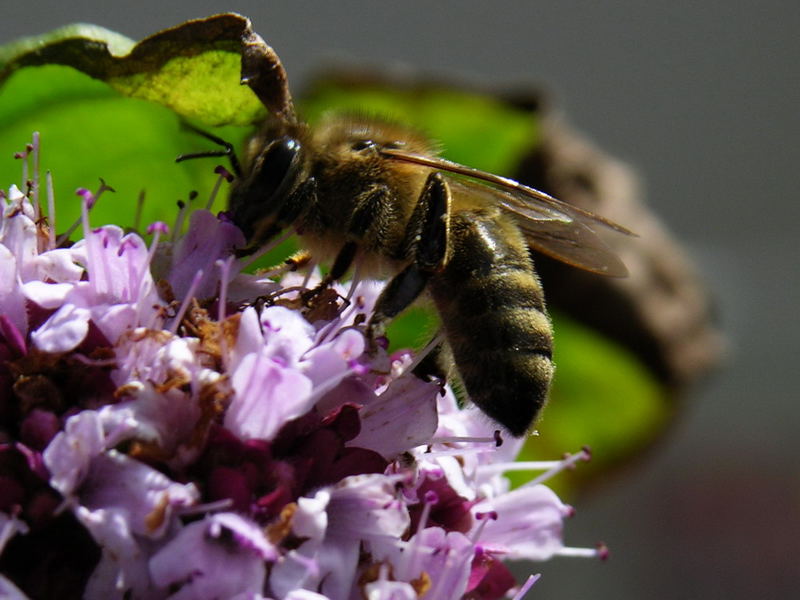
(171, 427)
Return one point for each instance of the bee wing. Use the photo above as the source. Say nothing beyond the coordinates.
(572, 243)
(549, 231)
(551, 226)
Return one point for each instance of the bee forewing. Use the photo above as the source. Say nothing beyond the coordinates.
(551, 226)
(521, 199)
(572, 243)
(550, 231)
(502, 197)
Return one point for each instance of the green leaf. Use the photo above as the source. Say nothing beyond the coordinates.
(106, 107)
(89, 131)
(193, 68)
(14, 52)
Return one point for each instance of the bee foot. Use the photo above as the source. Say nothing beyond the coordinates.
(309, 295)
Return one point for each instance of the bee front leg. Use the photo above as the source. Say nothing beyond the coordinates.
(282, 216)
(426, 244)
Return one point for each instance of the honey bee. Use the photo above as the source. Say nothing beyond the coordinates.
(376, 194)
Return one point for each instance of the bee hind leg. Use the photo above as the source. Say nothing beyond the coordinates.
(433, 362)
(426, 244)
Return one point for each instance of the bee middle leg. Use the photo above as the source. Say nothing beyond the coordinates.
(425, 243)
(369, 205)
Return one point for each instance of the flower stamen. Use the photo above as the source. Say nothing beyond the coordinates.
(179, 219)
(51, 211)
(155, 229)
(187, 299)
(224, 277)
(599, 551)
(570, 461)
(34, 192)
(224, 175)
(312, 265)
(483, 517)
(525, 587)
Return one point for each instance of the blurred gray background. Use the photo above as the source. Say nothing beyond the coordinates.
(704, 99)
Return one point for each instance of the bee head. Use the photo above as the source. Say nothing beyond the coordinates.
(362, 138)
(257, 197)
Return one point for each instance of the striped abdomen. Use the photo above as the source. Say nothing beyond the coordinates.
(493, 313)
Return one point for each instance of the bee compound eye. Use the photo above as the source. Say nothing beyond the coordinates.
(276, 168)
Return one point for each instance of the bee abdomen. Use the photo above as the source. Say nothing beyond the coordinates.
(492, 309)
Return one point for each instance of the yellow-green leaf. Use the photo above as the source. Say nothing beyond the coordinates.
(108, 108)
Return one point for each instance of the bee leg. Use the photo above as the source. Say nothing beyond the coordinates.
(433, 364)
(344, 259)
(426, 244)
(398, 294)
(368, 206)
(427, 230)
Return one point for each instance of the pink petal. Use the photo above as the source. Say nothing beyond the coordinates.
(528, 526)
(116, 481)
(8, 591)
(12, 299)
(402, 417)
(47, 295)
(57, 265)
(330, 363)
(207, 240)
(69, 456)
(267, 395)
(218, 557)
(122, 565)
(287, 334)
(249, 337)
(63, 331)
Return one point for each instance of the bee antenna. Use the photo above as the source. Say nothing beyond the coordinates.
(227, 149)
